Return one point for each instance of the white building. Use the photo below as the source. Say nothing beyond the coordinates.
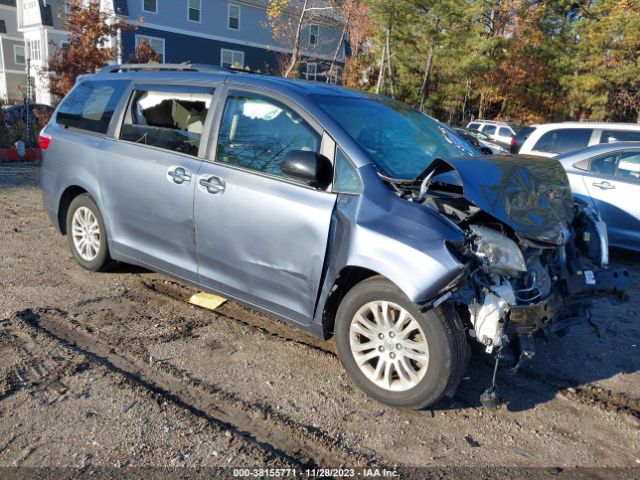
(12, 53)
(40, 23)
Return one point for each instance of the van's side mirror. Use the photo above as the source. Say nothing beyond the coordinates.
(311, 168)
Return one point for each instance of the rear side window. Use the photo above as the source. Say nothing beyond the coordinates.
(474, 126)
(489, 129)
(257, 132)
(604, 165)
(505, 132)
(612, 136)
(91, 104)
(563, 140)
(170, 120)
(629, 166)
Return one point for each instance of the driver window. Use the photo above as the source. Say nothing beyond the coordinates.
(256, 133)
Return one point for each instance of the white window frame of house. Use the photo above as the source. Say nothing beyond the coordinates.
(229, 17)
(150, 11)
(308, 74)
(312, 35)
(232, 52)
(199, 9)
(149, 38)
(15, 54)
(335, 74)
(34, 50)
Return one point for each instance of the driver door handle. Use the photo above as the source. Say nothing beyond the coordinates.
(212, 184)
(604, 185)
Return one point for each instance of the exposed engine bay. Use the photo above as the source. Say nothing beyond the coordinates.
(534, 258)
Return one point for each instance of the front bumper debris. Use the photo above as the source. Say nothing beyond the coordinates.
(569, 304)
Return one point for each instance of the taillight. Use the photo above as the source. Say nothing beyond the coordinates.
(44, 141)
(513, 141)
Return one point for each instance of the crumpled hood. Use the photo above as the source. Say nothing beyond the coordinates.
(529, 194)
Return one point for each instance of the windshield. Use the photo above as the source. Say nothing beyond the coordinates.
(401, 141)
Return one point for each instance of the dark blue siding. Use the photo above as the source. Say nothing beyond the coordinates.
(186, 48)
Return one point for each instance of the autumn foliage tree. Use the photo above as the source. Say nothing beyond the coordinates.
(89, 47)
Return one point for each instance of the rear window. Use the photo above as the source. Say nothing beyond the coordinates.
(564, 140)
(91, 104)
(611, 136)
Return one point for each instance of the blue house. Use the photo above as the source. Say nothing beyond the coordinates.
(233, 33)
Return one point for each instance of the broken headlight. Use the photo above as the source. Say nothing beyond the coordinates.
(499, 253)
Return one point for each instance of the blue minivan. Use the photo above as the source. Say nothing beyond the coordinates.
(347, 214)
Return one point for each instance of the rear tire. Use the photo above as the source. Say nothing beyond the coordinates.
(86, 234)
(427, 353)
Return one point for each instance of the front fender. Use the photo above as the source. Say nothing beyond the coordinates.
(403, 241)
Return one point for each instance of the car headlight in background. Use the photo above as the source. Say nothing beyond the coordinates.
(500, 253)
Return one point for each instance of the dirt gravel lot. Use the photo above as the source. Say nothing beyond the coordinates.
(114, 369)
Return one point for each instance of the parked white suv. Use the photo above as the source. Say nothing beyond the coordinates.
(552, 139)
(499, 131)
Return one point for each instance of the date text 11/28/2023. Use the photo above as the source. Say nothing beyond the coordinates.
(315, 473)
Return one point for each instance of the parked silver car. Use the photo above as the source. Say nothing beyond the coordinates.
(608, 177)
(344, 213)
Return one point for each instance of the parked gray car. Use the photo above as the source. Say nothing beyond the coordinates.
(607, 176)
(341, 212)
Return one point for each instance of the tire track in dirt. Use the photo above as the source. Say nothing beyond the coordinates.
(300, 445)
(587, 394)
(243, 315)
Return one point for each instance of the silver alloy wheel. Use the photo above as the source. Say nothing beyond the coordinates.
(85, 231)
(389, 346)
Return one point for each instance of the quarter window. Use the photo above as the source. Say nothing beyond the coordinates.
(194, 10)
(505, 132)
(611, 136)
(232, 58)
(170, 120)
(90, 105)
(157, 45)
(346, 179)
(19, 55)
(256, 134)
(150, 6)
(234, 17)
(314, 34)
(563, 140)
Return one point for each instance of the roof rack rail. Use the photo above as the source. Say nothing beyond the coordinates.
(163, 67)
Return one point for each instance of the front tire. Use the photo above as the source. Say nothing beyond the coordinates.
(394, 352)
(87, 235)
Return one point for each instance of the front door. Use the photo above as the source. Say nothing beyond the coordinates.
(261, 238)
(148, 177)
(613, 182)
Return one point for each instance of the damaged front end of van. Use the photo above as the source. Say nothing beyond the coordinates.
(533, 257)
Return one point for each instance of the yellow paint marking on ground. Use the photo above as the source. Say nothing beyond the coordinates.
(207, 300)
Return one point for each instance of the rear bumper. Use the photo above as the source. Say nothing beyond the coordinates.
(569, 304)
